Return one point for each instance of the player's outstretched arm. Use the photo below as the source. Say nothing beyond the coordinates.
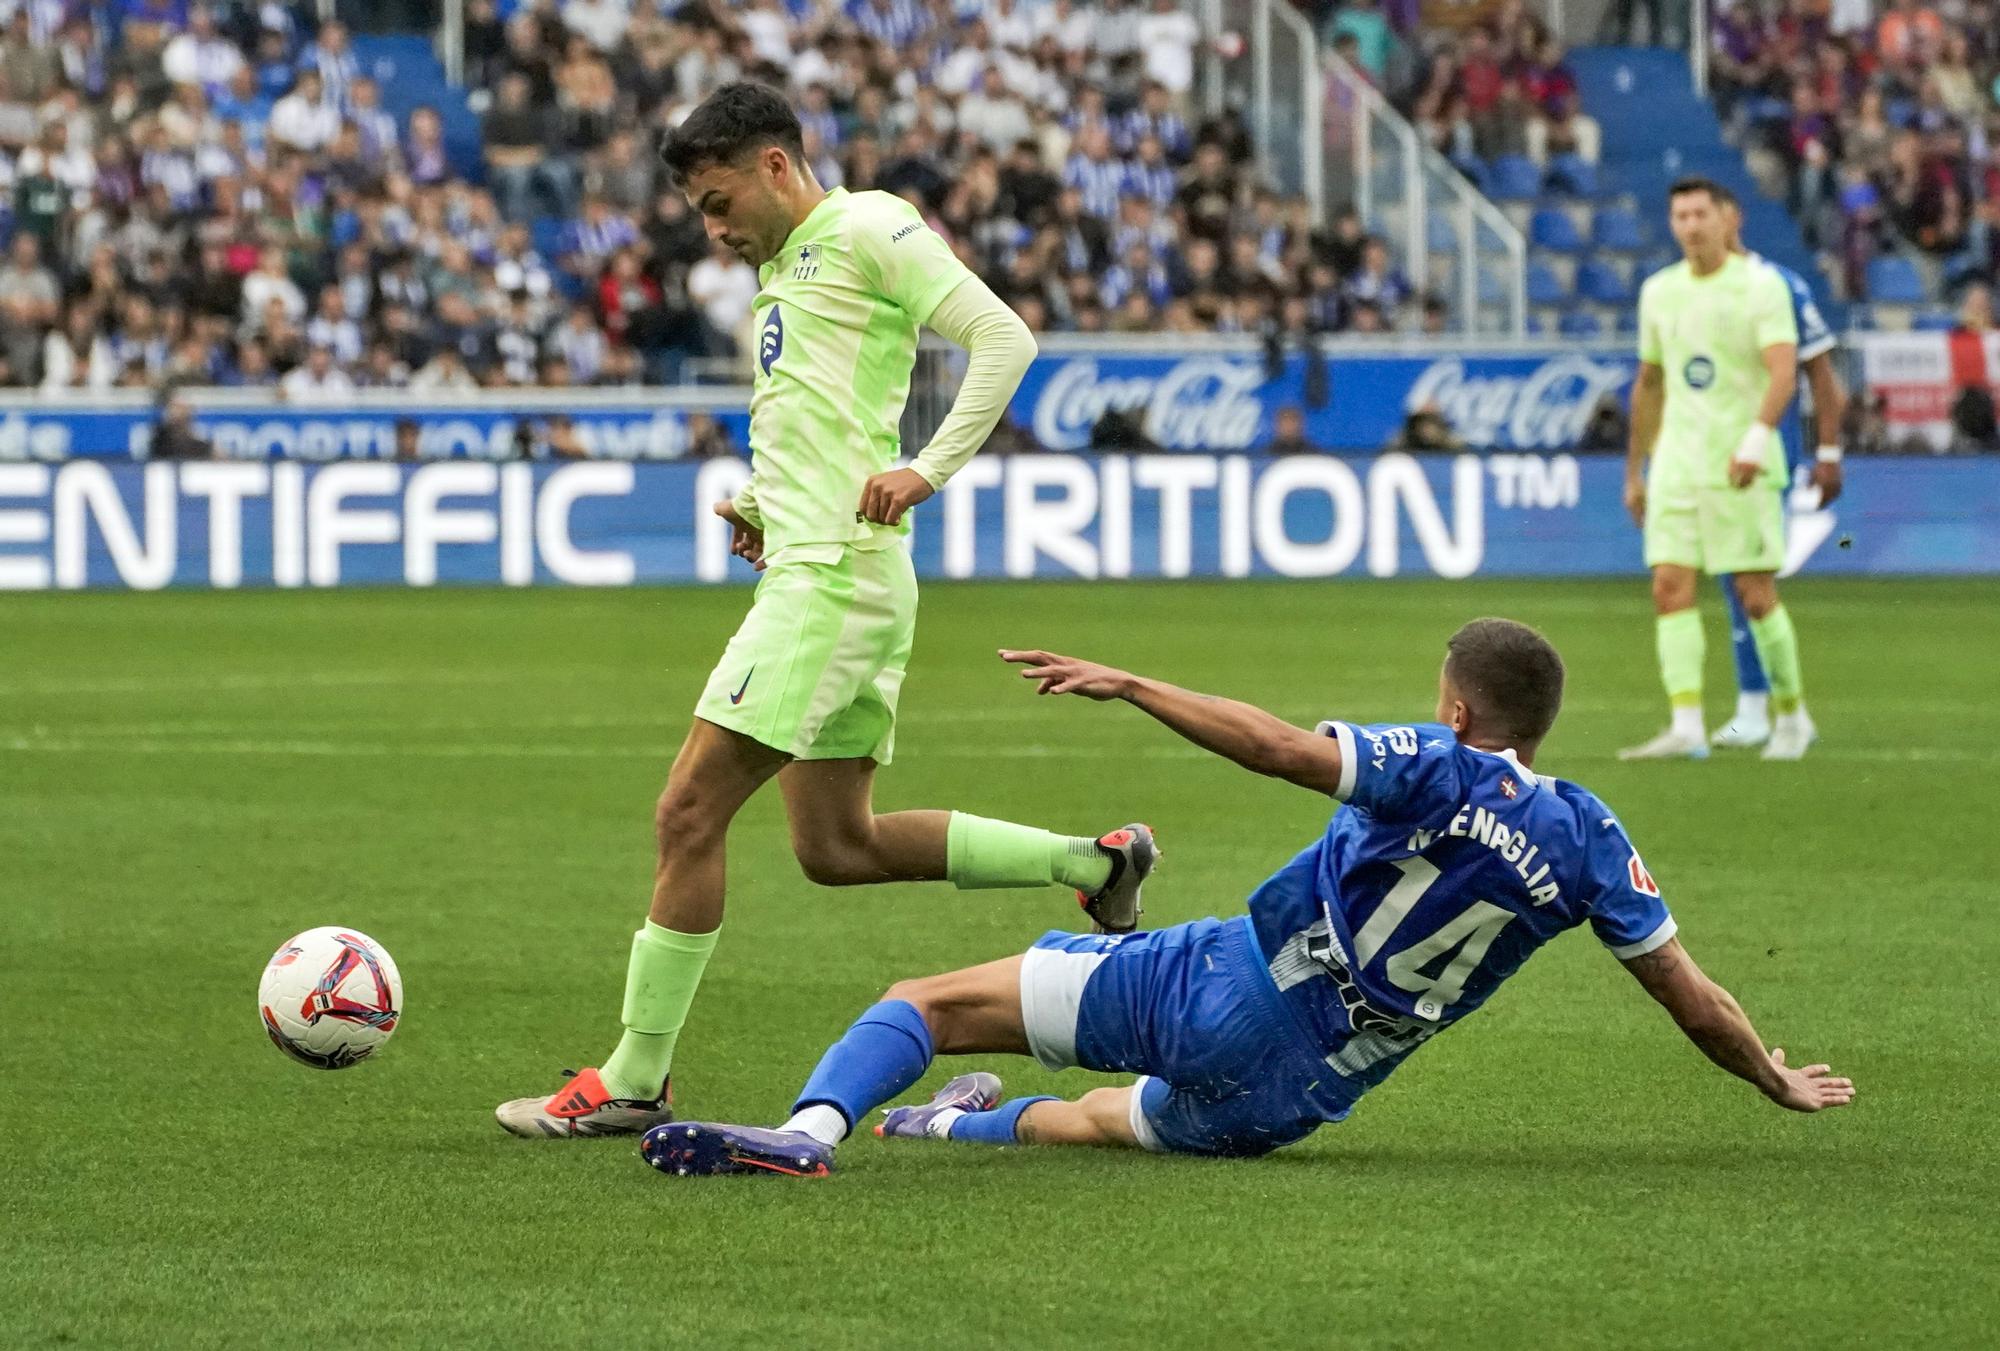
(1715, 1022)
(1260, 742)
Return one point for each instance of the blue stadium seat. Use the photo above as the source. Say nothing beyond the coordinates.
(1617, 229)
(1657, 260)
(1552, 229)
(1935, 321)
(1603, 284)
(1574, 176)
(1894, 280)
(1628, 322)
(1581, 324)
(1544, 287)
(1514, 178)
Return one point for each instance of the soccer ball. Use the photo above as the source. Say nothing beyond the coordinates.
(330, 997)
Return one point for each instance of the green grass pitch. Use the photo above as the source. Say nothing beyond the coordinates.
(187, 779)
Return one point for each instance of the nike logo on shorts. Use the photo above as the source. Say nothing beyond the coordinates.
(737, 697)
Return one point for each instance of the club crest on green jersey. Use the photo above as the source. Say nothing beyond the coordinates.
(1699, 373)
(771, 343)
(808, 265)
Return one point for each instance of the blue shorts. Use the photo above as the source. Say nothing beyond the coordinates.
(1227, 1068)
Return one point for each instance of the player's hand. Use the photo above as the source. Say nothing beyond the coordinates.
(746, 541)
(1067, 675)
(1828, 477)
(1743, 473)
(1635, 498)
(885, 497)
(1811, 1089)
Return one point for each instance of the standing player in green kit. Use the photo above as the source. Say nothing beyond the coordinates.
(806, 691)
(1718, 363)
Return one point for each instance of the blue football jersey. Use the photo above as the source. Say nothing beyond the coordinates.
(1441, 873)
(1815, 338)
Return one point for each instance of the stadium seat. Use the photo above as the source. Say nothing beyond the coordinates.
(1544, 287)
(1582, 324)
(1514, 178)
(1935, 321)
(1618, 230)
(1603, 284)
(1894, 280)
(1552, 229)
(1574, 176)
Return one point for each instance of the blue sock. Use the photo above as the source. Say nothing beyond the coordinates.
(997, 1126)
(886, 1051)
(1750, 677)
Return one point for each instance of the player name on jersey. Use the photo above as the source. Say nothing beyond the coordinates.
(1477, 823)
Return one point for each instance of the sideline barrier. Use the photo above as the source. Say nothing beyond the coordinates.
(224, 524)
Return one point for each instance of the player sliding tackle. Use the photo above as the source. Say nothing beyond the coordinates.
(807, 690)
(1449, 862)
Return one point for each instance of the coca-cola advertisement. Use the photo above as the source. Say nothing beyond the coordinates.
(1238, 400)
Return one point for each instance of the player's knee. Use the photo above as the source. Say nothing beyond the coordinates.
(939, 1003)
(835, 862)
(1672, 593)
(685, 818)
(1759, 597)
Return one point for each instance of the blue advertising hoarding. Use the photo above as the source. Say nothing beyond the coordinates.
(642, 428)
(1227, 400)
(85, 523)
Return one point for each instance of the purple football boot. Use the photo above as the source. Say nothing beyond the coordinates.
(708, 1149)
(977, 1092)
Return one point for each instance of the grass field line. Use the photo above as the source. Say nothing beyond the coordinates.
(238, 681)
(143, 745)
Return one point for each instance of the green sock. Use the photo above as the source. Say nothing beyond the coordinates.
(1682, 648)
(981, 853)
(1778, 648)
(659, 986)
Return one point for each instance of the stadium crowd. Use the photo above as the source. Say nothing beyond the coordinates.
(1881, 121)
(220, 196)
(1495, 88)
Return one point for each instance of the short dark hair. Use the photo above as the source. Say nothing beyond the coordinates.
(1718, 194)
(1509, 674)
(734, 121)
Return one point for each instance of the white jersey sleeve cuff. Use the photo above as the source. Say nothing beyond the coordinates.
(1819, 347)
(1350, 759)
(1656, 939)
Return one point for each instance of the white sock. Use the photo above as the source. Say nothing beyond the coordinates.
(1687, 722)
(939, 1126)
(823, 1123)
(1753, 707)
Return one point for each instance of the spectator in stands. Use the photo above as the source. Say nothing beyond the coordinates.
(1374, 40)
(174, 436)
(1288, 432)
(318, 381)
(1426, 428)
(723, 286)
(1377, 282)
(520, 164)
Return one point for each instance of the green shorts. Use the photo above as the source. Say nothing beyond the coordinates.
(1716, 530)
(815, 669)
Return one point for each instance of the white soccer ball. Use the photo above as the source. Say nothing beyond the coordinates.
(330, 997)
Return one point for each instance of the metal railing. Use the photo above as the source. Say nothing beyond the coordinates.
(1274, 84)
(1394, 172)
